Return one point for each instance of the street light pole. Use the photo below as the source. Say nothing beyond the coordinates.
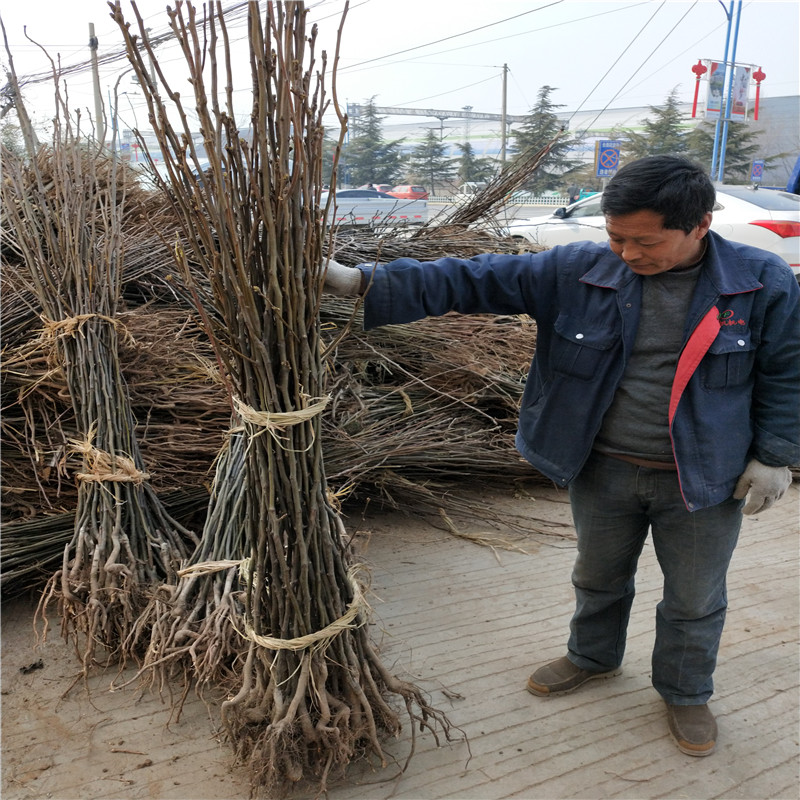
(729, 99)
(718, 126)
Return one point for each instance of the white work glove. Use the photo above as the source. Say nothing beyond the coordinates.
(341, 280)
(762, 485)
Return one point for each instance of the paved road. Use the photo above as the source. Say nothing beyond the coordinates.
(467, 624)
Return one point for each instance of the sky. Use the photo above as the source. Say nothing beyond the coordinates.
(448, 54)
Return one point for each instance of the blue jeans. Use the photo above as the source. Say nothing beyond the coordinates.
(614, 503)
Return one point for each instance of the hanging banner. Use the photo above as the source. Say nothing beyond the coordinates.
(716, 88)
(740, 91)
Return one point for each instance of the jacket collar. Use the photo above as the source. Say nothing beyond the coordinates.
(723, 268)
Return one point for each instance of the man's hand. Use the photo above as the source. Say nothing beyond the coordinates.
(762, 485)
(341, 280)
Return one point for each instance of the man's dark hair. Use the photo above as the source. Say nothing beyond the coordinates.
(674, 187)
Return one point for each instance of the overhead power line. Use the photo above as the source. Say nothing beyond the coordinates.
(618, 58)
(573, 21)
(450, 91)
(448, 38)
(638, 69)
(234, 11)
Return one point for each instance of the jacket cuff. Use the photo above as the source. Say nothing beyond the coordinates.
(774, 451)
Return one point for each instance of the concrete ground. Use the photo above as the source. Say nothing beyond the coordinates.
(467, 623)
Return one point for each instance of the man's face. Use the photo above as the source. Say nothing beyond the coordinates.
(648, 248)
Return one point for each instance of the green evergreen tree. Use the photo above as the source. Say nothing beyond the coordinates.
(740, 149)
(428, 163)
(11, 138)
(539, 128)
(328, 156)
(368, 157)
(665, 133)
(471, 167)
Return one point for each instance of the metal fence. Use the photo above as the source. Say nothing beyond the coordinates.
(527, 200)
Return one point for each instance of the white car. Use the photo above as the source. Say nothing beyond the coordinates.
(765, 218)
(369, 207)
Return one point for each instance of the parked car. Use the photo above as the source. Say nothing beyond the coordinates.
(369, 207)
(409, 192)
(470, 188)
(378, 187)
(765, 218)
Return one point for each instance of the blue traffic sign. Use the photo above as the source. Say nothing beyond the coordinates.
(607, 158)
(757, 172)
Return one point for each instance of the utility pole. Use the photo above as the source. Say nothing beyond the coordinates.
(100, 118)
(466, 123)
(150, 57)
(503, 132)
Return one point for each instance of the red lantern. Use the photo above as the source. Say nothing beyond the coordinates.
(758, 77)
(699, 69)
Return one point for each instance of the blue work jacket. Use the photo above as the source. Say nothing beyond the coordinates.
(741, 401)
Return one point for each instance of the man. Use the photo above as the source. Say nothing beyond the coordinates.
(664, 390)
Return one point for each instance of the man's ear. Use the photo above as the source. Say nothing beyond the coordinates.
(705, 224)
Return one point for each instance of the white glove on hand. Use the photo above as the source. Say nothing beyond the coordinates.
(762, 485)
(341, 280)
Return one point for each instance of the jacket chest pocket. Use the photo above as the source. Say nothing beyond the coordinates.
(729, 361)
(581, 347)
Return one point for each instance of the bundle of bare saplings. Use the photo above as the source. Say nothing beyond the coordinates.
(273, 569)
(68, 236)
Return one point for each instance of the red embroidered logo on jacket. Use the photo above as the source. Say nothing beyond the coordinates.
(726, 318)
